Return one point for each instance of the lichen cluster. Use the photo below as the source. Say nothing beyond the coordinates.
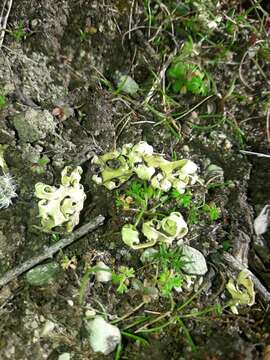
(7, 183)
(166, 230)
(62, 205)
(117, 167)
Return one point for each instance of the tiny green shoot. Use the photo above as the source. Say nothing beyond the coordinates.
(2, 100)
(40, 166)
(167, 281)
(212, 211)
(122, 278)
(185, 77)
(19, 33)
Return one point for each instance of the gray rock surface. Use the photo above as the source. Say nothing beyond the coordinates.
(33, 125)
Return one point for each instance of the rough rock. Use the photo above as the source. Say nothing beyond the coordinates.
(33, 125)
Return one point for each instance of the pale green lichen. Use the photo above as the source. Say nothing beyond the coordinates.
(170, 228)
(130, 236)
(3, 163)
(7, 184)
(117, 167)
(61, 206)
(241, 291)
(112, 177)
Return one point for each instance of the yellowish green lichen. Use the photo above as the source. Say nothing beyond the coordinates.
(241, 291)
(61, 206)
(117, 167)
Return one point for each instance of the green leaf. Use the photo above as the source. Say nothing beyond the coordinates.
(167, 281)
(140, 339)
(2, 101)
(177, 71)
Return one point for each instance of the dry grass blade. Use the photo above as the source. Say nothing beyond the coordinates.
(3, 19)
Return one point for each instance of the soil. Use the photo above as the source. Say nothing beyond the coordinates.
(64, 67)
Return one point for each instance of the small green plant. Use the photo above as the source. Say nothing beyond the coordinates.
(170, 258)
(167, 281)
(55, 238)
(69, 263)
(182, 199)
(83, 35)
(86, 33)
(141, 195)
(122, 278)
(212, 211)
(141, 192)
(226, 245)
(185, 77)
(2, 100)
(40, 166)
(19, 33)
(170, 262)
(193, 215)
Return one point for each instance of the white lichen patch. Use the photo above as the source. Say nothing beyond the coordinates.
(117, 167)
(61, 206)
(7, 191)
(7, 184)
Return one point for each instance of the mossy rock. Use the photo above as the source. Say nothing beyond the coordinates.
(42, 275)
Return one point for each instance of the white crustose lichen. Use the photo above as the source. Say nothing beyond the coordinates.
(7, 191)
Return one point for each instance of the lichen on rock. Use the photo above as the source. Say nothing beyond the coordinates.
(33, 125)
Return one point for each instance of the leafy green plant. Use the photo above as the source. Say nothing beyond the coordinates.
(40, 166)
(55, 238)
(169, 258)
(196, 212)
(141, 192)
(167, 281)
(122, 278)
(170, 262)
(19, 33)
(185, 77)
(2, 100)
(182, 199)
(193, 215)
(226, 245)
(212, 211)
(69, 263)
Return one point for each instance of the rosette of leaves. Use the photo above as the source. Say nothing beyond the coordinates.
(61, 206)
(185, 77)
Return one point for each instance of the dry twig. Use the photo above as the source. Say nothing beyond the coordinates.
(48, 252)
(4, 18)
(267, 125)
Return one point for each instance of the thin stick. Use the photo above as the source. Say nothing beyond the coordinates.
(3, 23)
(254, 153)
(168, 313)
(128, 314)
(241, 73)
(48, 252)
(193, 108)
(236, 265)
(130, 19)
(159, 78)
(267, 125)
